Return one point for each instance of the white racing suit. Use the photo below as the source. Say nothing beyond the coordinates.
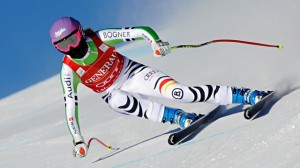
(130, 84)
(137, 82)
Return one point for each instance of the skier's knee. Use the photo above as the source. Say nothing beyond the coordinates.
(117, 99)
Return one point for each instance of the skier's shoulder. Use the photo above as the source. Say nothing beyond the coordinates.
(65, 68)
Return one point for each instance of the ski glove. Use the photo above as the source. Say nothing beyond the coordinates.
(80, 148)
(160, 48)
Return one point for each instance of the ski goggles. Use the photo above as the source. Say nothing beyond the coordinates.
(69, 41)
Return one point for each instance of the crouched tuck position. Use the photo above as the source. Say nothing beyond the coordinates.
(91, 59)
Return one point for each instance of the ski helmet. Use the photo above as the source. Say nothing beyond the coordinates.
(66, 35)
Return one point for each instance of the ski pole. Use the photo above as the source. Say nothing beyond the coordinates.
(101, 143)
(226, 40)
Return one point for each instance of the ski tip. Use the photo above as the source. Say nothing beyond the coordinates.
(246, 113)
(171, 140)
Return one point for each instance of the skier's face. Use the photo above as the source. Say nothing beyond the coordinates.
(79, 51)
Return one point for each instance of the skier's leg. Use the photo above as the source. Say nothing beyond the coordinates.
(151, 82)
(125, 103)
(137, 105)
(142, 80)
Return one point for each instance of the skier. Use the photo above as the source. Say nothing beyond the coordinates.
(91, 59)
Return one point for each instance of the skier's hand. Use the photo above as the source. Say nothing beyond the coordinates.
(160, 48)
(80, 148)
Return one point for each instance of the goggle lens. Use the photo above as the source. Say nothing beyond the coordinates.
(68, 42)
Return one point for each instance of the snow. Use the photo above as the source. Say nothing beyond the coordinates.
(34, 131)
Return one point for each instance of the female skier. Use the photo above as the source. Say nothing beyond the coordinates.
(91, 59)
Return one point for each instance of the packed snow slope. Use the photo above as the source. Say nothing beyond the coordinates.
(33, 130)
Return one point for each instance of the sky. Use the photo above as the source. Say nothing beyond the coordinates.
(28, 56)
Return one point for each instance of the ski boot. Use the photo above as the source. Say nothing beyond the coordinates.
(247, 96)
(178, 116)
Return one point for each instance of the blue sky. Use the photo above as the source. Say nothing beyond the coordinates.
(26, 51)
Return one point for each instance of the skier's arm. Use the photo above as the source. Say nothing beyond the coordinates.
(115, 36)
(70, 81)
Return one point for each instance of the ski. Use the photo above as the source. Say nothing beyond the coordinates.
(253, 110)
(179, 136)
